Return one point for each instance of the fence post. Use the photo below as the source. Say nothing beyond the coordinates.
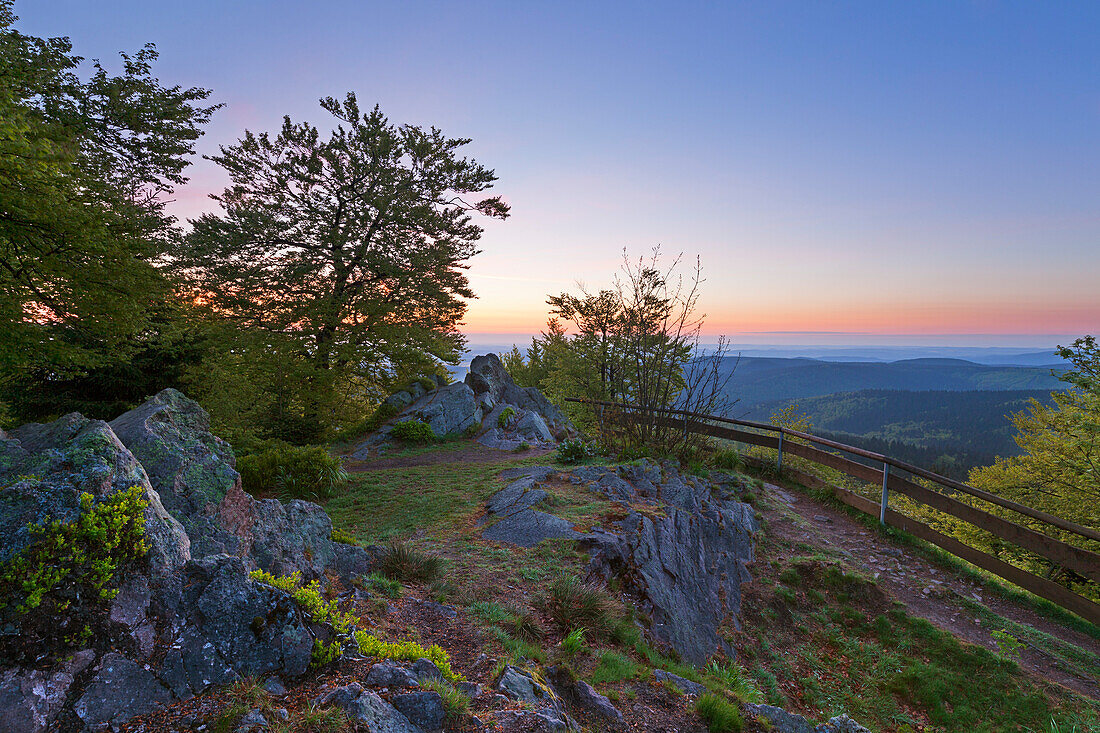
(779, 463)
(885, 495)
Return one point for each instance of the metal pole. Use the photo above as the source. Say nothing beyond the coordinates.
(779, 463)
(885, 495)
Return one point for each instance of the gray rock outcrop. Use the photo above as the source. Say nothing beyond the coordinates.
(683, 564)
(188, 616)
(488, 403)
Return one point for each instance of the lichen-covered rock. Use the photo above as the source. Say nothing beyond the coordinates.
(487, 375)
(45, 468)
(367, 707)
(32, 700)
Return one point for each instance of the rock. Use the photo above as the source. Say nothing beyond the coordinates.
(487, 375)
(843, 724)
(342, 697)
(685, 686)
(44, 469)
(686, 567)
(530, 527)
(584, 696)
(449, 410)
(388, 674)
(379, 715)
(471, 690)
(274, 686)
(437, 608)
(520, 685)
(517, 523)
(31, 700)
(425, 669)
(281, 713)
(254, 721)
(424, 709)
(119, 691)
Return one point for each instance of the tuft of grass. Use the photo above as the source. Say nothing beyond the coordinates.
(719, 714)
(574, 603)
(573, 643)
(401, 561)
(455, 704)
(734, 678)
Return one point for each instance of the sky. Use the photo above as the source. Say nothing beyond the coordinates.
(846, 172)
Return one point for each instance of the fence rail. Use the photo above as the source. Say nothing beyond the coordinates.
(1077, 559)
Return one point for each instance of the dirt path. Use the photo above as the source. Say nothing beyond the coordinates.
(928, 590)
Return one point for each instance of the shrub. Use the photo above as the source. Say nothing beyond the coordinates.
(574, 451)
(403, 562)
(368, 424)
(505, 417)
(522, 447)
(292, 472)
(57, 587)
(719, 714)
(573, 603)
(413, 431)
(344, 538)
(320, 611)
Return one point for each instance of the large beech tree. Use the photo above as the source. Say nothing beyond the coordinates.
(342, 253)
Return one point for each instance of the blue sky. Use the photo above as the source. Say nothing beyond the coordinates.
(846, 169)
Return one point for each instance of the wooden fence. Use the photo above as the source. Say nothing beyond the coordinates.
(1079, 560)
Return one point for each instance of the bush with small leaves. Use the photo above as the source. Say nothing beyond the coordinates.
(505, 417)
(292, 472)
(413, 431)
(57, 587)
(574, 451)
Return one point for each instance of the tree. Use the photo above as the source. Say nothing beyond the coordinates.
(85, 171)
(637, 343)
(342, 253)
(1059, 471)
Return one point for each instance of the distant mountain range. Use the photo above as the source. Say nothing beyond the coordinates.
(763, 383)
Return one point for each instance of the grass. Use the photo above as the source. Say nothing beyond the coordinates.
(719, 714)
(455, 704)
(614, 666)
(380, 504)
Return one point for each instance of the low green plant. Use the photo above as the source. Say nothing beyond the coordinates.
(735, 679)
(401, 561)
(573, 643)
(727, 459)
(58, 586)
(410, 651)
(292, 472)
(505, 417)
(413, 431)
(720, 715)
(344, 538)
(573, 451)
(320, 611)
(522, 447)
(1008, 646)
(614, 667)
(386, 586)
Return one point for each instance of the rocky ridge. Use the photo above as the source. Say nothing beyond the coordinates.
(190, 616)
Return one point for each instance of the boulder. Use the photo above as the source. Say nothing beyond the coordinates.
(44, 470)
(390, 674)
(487, 375)
(367, 707)
(683, 685)
(517, 522)
(120, 690)
(585, 697)
(423, 709)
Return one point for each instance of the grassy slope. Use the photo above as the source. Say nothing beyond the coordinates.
(815, 638)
